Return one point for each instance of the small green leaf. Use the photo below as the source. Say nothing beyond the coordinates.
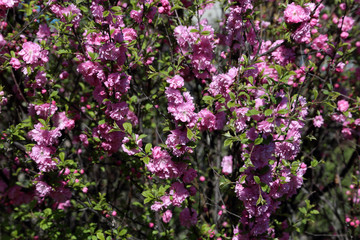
(62, 156)
(106, 13)
(257, 179)
(205, 33)
(146, 160)
(128, 127)
(189, 134)
(100, 236)
(252, 112)
(268, 112)
(148, 147)
(282, 111)
(316, 93)
(258, 141)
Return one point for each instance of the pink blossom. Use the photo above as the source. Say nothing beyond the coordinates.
(84, 139)
(296, 14)
(226, 165)
(97, 10)
(344, 35)
(71, 10)
(342, 105)
(136, 15)
(165, 202)
(118, 82)
(189, 175)
(162, 165)
(320, 43)
(178, 193)
(63, 75)
(109, 52)
(177, 141)
(208, 120)
(282, 55)
(181, 109)
(15, 63)
(43, 136)
(42, 156)
(134, 150)
(42, 189)
(61, 121)
(221, 83)
(6, 4)
(33, 54)
(44, 110)
(166, 217)
(188, 217)
(347, 24)
(176, 82)
(111, 141)
(44, 31)
(318, 121)
(302, 33)
(129, 34)
(117, 111)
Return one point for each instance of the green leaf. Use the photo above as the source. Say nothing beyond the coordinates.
(314, 163)
(106, 13)
(314, 212)
(242, 179)
(42, 121)
(257, 179)
(283, 111)
(148, 147)
(315, 93)
(100, 236)
(258, 141)
(194, 30)
(268, 112)
(208, 99)
(116, 9)
(146, 160)
(189, 134)
(228, 142)
(205, 33)
(147, 194)
(128, 127)
(303, 210)
(252, 112)
(122, 232)
(62, 156)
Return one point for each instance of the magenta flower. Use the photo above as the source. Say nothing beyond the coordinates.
(33, 54)
(296, 14)
(343, 105)
(226, 165)
(43, 136)
(166, 217)
(188, 217)
(318, 121)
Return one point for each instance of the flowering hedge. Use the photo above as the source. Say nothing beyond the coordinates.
(157, 119)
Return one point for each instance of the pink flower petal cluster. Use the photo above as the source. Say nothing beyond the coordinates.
(32, 53)
(296, 14)
(227, 165)
(162, 166)
(177, 141)
(188, 217)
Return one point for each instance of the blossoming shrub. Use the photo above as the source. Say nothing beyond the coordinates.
(150, 120)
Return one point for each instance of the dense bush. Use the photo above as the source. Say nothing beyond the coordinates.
(157, 119)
